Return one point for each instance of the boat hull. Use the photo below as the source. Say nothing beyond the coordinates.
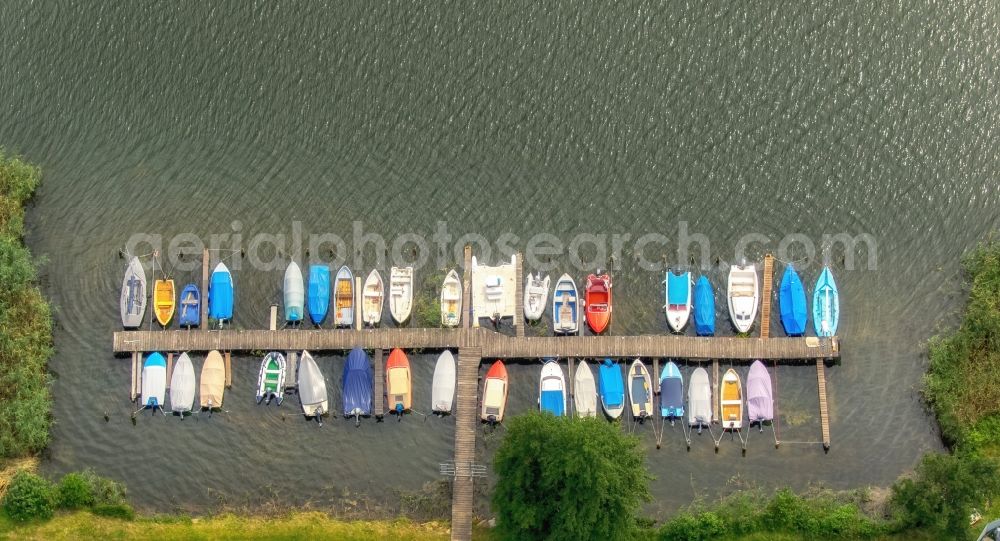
(598, 302)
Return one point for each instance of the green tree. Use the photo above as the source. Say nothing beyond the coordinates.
(568, 478)
(943, 491)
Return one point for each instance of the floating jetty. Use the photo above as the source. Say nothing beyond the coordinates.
(474, 343)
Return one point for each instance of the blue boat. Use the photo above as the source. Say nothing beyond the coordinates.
(357, 384)
(792, 301)
(552, 389)
(826, 304)
(704, 307)
(677, 299)
(220, 294)
(190, 306)
(319, 292)
(671, 392)
(611, 388)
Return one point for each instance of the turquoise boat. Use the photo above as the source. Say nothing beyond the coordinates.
(220, 294)
(826, 304)
(671, 392)
(792, 302)
(611, 388)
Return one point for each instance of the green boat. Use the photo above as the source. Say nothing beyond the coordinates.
(271, 382)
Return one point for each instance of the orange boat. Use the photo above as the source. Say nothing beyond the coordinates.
(398, 383)
(494, 393)
(598, 302)
(163, 301)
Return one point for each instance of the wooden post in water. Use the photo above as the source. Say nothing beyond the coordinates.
(170, 367)
(656, 375)
(291, 358)
(378, 400)
(204, 288)
(134, 390)
(715, 390)
(571, 402)
(519, 295)
(467, 289)
(273, 321)
(229, 371)
(357, 303)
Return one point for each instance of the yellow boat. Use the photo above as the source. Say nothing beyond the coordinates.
(731, 401)
(163, 301)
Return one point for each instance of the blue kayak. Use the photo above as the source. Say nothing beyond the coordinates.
(704, 308)
(220, 294)
(357, 384)
(671, 392)
(792, 301)
(319, 292)
(611, 388)
(190, 315)
(826, 304)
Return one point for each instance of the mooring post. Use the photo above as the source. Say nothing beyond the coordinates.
(170, 368)
(229, 371)
(273, 321)
(204, 288)
(519, 295)
(134, 391)
(357, 303)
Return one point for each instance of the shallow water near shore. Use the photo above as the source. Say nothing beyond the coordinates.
(226, 119)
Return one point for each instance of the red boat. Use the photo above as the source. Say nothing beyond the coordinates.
(494, 394)
(598, 302)
(398, 385)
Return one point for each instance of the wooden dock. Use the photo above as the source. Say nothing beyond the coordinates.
(474, 344)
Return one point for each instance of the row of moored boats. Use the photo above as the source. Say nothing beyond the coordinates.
(684, 299)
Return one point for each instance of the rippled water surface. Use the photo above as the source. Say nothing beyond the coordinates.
(240, 118)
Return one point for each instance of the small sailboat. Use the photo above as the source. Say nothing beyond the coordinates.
(190, 306)
(494, 393)
(294, 293)
(398, 383)
(182, 386)
(357, 383)
(552, 389)
(372, 294)
(743, 296)
(133, 295)
(792, 302)
(584, 391)
(213, 381)
(312, 388)
(598, 301)
(826, 304)
(704, 308)
(699, 400)
(640, 391)
(612, 389)
(536, 295)
(565, 306)
(678, 300)
(163, 301)
(220, 294)
(731, 401)
(400, 293)
(451, 300)
(271, 379)
(154, 382)
(344, 308)
(760, 399)
(319, 293)
(671, 392)
(443, 386)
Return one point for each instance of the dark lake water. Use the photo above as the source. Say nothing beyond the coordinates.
(789, 121)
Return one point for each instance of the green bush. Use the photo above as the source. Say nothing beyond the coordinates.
(702, 526)
(943, 491)
(29, 496)
(105, 491)
(114, 510)
(75, 491)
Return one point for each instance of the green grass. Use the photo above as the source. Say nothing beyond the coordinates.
(311, 525)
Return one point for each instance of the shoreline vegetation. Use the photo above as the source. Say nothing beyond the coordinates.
(25, 321)
(933, 502)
